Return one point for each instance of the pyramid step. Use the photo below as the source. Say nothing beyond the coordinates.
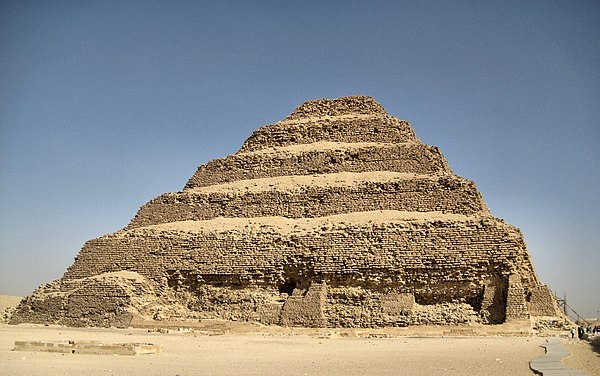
(320, 158)
(316, 196)
(347, 129)
(369, 249)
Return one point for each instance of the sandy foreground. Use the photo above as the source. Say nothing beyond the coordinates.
(280, 352)
(7, 301)
(584, 356)
(188, 353)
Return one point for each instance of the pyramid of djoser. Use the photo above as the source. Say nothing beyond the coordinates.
(337, 216)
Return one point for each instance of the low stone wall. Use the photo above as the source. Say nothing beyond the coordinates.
(411, 158)
(88, 347)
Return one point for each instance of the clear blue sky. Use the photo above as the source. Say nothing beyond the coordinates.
(106, 104)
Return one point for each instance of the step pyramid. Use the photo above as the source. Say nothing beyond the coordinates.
(337, 216)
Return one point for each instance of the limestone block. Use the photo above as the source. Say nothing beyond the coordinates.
(88, 347)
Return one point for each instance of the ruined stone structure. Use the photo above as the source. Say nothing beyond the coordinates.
(337, 216)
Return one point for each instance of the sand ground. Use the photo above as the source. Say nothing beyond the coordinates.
(585, 356)
(187, 353)
(7, 301)
(243, 351)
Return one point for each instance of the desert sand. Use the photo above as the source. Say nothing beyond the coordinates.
(7, 301)
(187, 353)
(240, 350)
(585, 356)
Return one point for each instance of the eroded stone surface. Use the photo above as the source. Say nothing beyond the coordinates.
(336, 216)
(88, 347)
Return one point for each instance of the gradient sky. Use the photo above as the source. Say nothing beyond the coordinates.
(106, 104)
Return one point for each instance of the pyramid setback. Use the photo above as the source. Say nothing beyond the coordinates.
(337, 216)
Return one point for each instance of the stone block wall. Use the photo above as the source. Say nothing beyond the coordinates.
(254, 304)
(356, 307)
(444, 194)
(398, 303)
(493, 303)
(306, 308)
(439, 260)
(408, 157)
(516, 306)
(385, 129)
(541, 301)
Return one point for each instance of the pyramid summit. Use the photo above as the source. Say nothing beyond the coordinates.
(336, 216)
(355, 105)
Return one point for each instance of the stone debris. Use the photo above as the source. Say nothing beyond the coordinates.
(337, 216)
(88, 347)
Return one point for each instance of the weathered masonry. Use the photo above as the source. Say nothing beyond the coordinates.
(337, 216)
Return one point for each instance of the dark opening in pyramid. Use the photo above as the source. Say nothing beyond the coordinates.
(337, 216)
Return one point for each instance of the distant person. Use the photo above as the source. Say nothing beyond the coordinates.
(580, 332)
(572, 333)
